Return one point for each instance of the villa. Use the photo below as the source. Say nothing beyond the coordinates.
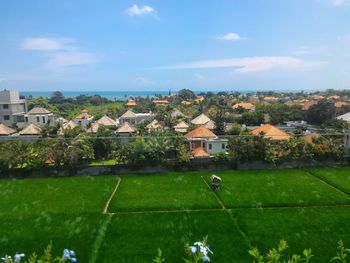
(83, 119)
(269, 131)
(204, 143)
(134, 118)
(40, 117)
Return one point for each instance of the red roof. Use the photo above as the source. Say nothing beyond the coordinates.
(199, 152)
(200, 132)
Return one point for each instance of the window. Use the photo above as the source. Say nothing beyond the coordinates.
(223, 146)
(210, 146)
(20, 118)
(44, 119)
(37, 119)
(26, 119)
(203, 144)
(6, 117)
(5, 106)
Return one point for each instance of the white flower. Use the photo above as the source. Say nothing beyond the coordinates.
(18, 257)
(206, 259)
(193, 249)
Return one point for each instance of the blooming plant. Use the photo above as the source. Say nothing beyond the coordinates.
(199, 252)
(68, 256)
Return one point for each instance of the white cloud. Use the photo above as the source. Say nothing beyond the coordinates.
(231, 37)
(47, 44)
(2, 79)
(61, 60)
(199, 77)
(250, 64)
(337, 2)
(135, 10)
(61, 52)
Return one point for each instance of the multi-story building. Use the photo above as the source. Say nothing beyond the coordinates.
(12, 108)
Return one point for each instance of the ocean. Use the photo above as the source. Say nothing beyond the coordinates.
(111, 95)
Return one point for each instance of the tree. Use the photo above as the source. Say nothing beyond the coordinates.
(186, 94)
(57, 98)
(320, 113)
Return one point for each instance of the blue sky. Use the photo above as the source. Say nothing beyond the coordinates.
(160, 45)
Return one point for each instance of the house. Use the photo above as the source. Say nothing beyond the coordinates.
(67, 126)
(177, 114)
(94, 126)
(345, 117)
(310, 137)
(181, 127)
(107, 122)
(161, 102)
(125, 131)
(200, 120)
(204, 143)
(6, 131)
(333, 98)
(199, 99)
(134, 118)
(154, 126)
(244, 105)
(40, 117)
(30, 130)
(12, 108)
(270, 132)
(339, 105)
(318, 97)
(270, 99)
(130, 103)
(186, 103)
(308, 104)
(83, 119)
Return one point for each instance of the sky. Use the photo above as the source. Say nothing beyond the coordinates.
(105, 45)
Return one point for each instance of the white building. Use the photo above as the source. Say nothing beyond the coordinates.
(12, 108)
(134, 118)
(40, 117)
(83, 119)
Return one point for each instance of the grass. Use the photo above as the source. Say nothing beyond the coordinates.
(261, 208)
(315, 228)
(173, 191)
(288, 187)
(339, 177)
(103, 163)
(66, 211)
(136, 237)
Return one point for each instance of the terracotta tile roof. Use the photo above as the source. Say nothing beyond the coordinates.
(200, 132)
(160, 102)
(83, 116)
(309, 138)
(318, 97)
(131, 103)
(271, 132)
(244, 105)
(199, 152)
(307, 105)
(270, 98)
(340, 104)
